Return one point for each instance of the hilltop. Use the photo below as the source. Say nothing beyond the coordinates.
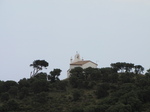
(119, 88)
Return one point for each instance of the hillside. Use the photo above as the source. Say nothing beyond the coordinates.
(108, 89)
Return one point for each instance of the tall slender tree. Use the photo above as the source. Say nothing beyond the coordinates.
(37, 66)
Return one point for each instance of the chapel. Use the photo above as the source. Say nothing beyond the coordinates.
(78, 62)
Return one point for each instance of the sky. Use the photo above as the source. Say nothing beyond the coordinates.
(103, 31)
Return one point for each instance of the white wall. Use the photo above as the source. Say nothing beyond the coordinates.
(89, 64)
(73, 66)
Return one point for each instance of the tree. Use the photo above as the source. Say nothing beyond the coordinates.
(40, 86)
(24, 91)
(38, 65)
(1, 86)
(11, 105)
(138, 69)
(77, 109)
(129, 67)
(24, 83)
(143, 94)
(102, 90)
(7, 85)
(76, 95)
(148, 72)
(78, 72)
(13, 91)
(4, 97)
(105, 72)
(131, 98)
(41, 75)
(116, 66)
(78, 77)
(126, 77)
(92, 73)
(88, 71)
(113, 78)
(54, 75)
(41, 98)
(119, 107)
(73, 80)
(122, 66)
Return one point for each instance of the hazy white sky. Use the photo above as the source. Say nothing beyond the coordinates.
(106, 31)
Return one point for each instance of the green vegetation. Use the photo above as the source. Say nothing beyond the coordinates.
(119, 88)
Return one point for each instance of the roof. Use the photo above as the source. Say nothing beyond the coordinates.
(82, 62)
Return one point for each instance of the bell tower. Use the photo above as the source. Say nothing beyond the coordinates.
(77, 57)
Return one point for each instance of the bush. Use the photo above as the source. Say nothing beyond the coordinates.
(76, 95)
(4, 97)
(77, 110)
(101, 91)
(119, 108)
(11, 105)
(39, 86)
(41, 98)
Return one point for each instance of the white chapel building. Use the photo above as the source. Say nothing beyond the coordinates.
(78, 62)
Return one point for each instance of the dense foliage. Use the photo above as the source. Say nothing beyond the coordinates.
(119, 88)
